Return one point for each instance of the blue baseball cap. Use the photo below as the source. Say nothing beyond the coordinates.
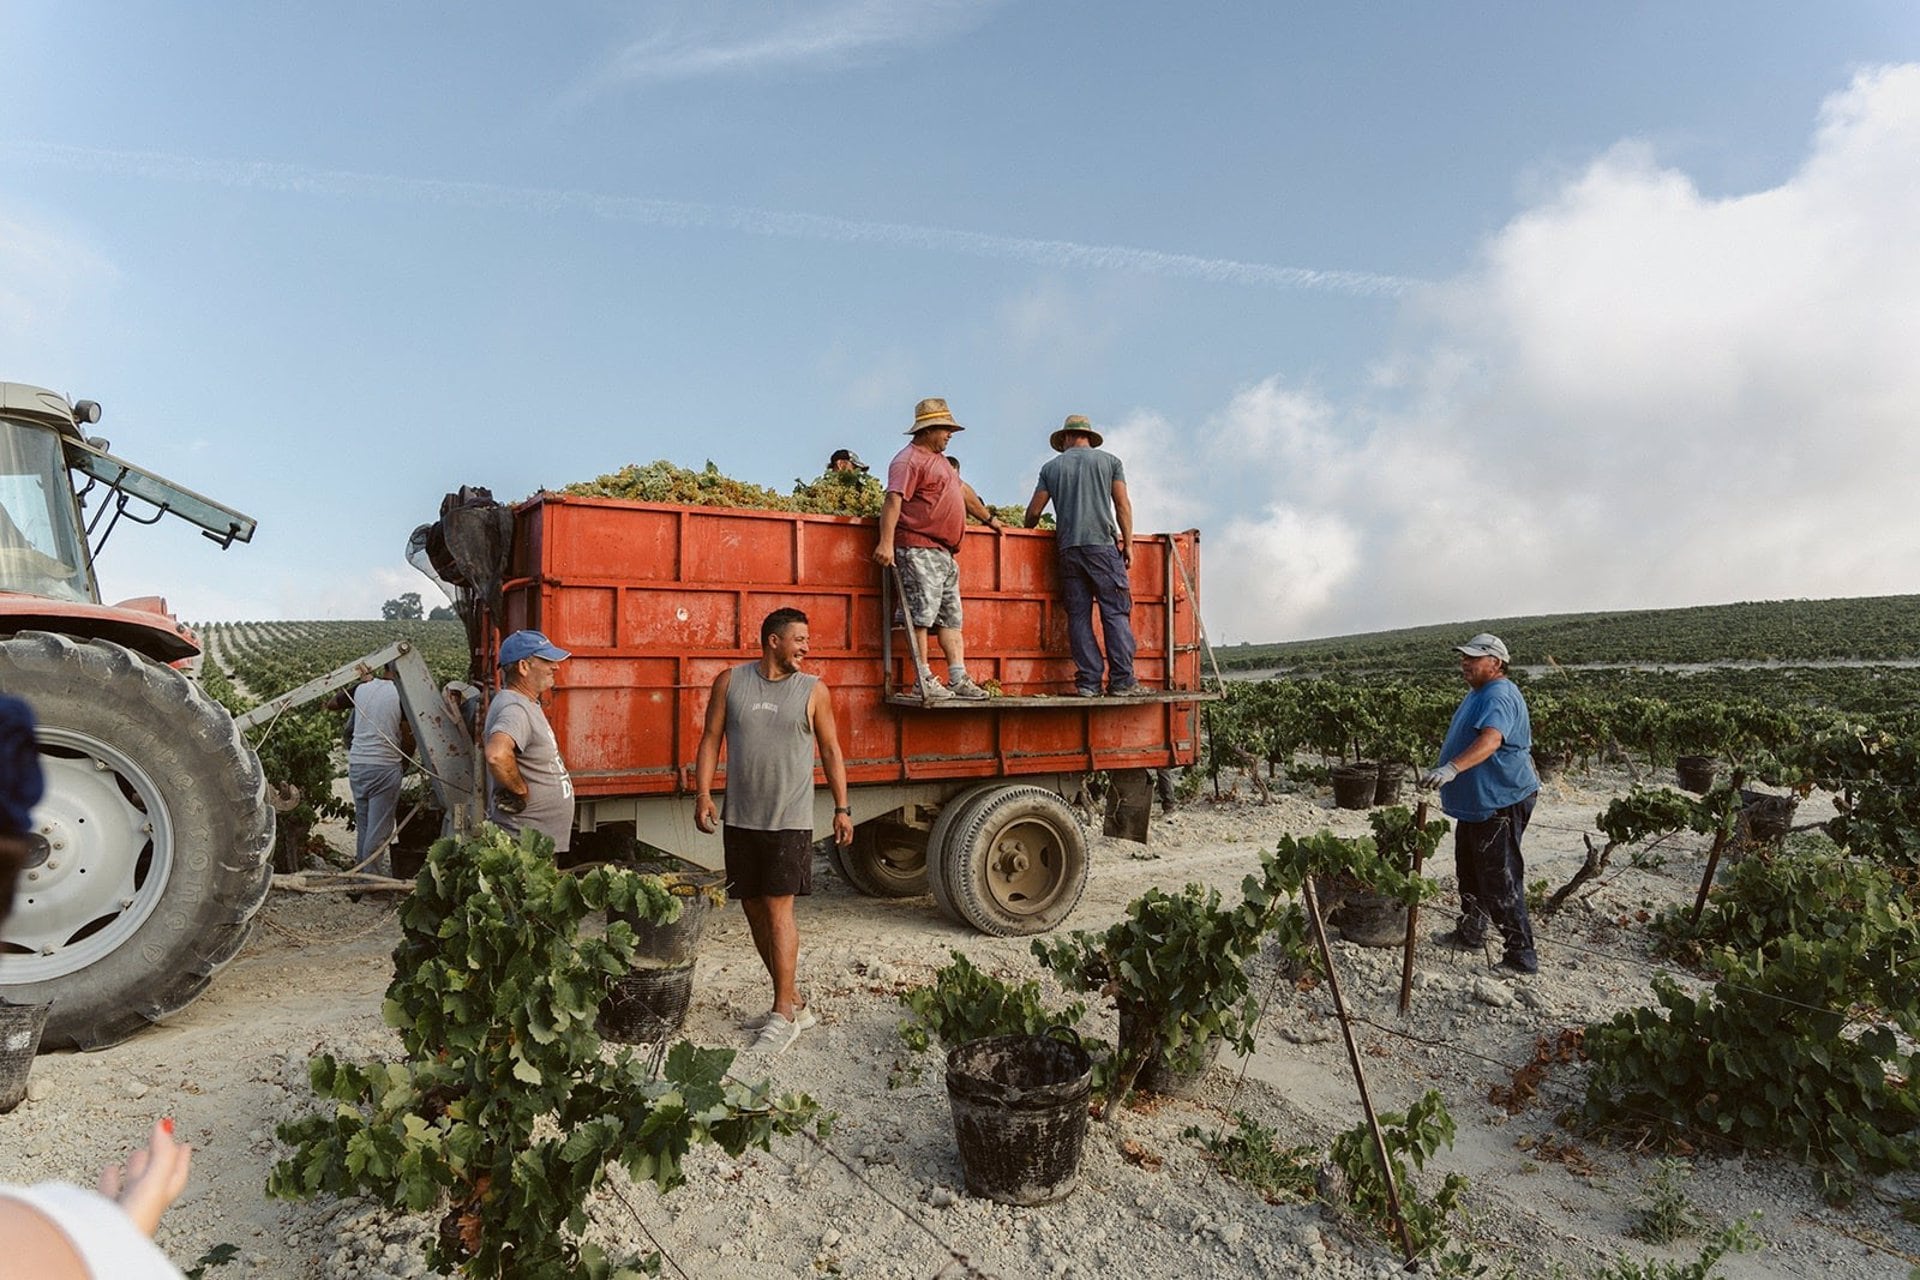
(522, 645)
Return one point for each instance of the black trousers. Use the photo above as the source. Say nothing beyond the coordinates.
(1493, 879)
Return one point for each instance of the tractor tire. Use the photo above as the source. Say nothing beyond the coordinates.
(887, 859)
(1016, 862)
(938, 842)
(151, 850)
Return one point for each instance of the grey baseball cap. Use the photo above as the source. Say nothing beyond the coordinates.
(1484, 645)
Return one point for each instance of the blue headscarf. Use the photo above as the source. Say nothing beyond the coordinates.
(21, 785)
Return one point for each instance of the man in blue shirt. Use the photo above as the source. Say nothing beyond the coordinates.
(1488, 786)
(1093, 534)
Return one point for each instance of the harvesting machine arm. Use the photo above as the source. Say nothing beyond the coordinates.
(445, 744)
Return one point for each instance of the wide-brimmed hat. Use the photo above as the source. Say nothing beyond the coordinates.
(522, 645)
(1075, 422)
(1484, 645)
(930, 413)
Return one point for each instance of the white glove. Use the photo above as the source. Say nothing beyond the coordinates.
(1439, 777)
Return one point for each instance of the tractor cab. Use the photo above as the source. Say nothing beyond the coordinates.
(43, 551)
(52, 476)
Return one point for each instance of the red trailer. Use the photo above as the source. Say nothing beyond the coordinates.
(967, 799)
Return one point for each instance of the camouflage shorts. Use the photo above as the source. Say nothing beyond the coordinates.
(931, 578)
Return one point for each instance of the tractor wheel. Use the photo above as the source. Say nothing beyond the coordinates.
(887, 859)
(1016, 862)
(150, 852)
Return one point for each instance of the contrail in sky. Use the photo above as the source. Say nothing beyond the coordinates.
(302, 180)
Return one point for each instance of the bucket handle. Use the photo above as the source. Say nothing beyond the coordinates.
(1057, 1029)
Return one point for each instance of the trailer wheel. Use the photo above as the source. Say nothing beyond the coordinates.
(1016, 863)
(940, 841)
(150, 851)
(887, 859)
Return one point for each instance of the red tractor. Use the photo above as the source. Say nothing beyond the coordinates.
(151, 852)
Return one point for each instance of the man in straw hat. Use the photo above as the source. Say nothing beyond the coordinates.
(920, 528)
(1488, 786)
(1094, 538)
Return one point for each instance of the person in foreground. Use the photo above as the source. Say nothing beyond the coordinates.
(773, 717)
(55, 1230)
(1488, 786)
(1094, 542)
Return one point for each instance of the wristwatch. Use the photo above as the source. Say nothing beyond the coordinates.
(844, 808)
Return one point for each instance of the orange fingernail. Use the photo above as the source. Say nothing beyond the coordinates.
(166, 1126)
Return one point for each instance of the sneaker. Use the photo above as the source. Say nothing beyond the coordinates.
(1459, 941)
(1129, 691)
(804, 1019)
(777, 1035)
(932, 690)
(964, 687)
(1520, 962)
(1086, 693)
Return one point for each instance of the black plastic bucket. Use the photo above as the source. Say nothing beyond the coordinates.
(677, 943)
(20, 1028)
(1765, 818)
(1695, 773)
(1387, 789)
(1354, 784)
(1020, 1115)
(648, 1004)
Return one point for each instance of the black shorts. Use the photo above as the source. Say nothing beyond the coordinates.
(768, 864)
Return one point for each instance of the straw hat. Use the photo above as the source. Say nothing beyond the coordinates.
(931, 413)
(1075, 422)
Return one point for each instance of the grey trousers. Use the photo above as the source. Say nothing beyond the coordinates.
(376, 802)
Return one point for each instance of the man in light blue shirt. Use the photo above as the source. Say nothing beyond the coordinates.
(1488, 786)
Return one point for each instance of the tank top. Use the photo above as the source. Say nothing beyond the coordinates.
(769, 751)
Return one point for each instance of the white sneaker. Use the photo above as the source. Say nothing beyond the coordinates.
(931, 690)
(778, 1035)
(805, 1018)
(964, 687)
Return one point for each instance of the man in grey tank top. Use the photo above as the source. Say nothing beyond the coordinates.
(528, 787)
(773, 717)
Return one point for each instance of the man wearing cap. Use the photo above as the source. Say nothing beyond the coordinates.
(845, 460)
(773, 718)
(1488, 786)
(920, 529)
(527, 784)
(1094, 540)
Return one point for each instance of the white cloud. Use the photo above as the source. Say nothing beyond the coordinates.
(307, 181)
(744, 39)
(1641, 396)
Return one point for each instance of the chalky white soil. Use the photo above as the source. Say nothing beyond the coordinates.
(883, 1196)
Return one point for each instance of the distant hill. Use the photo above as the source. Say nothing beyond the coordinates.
(1867, 628)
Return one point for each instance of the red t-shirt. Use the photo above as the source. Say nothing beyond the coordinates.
(933, 513)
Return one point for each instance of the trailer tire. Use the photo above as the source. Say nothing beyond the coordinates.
(152, 846)
(939, 842)
(1016, 862)
(887, 859)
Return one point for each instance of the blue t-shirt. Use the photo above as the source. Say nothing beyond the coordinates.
(1080, 482)
(1506, 777)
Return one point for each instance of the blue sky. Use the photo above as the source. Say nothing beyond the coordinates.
(1418, 312)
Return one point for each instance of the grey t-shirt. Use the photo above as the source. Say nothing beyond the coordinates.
(376, 724)
(769, 751)
(1080, 482)
(549, 790)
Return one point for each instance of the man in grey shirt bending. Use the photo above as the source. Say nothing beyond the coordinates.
(527, 784)
(1094, 538)
(773, 717)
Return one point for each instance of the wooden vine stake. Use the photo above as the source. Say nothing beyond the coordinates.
(1413, 912)
(1720, 838)
(1359, 1073)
